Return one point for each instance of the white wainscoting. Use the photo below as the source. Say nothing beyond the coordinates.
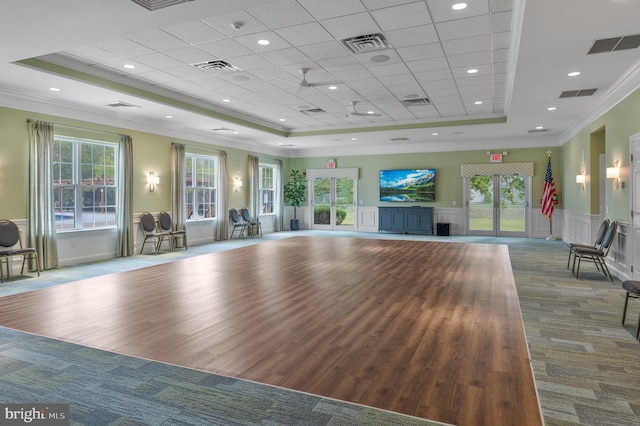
(454, 216)
(580, 227)
(541, 227)
(367, 220)
(617, 260)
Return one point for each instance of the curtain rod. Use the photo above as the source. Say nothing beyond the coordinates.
(83, 128)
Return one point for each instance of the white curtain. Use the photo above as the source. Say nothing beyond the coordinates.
(178, 169)
(42, 222)
(279, 198)
(222, 220)
(125, 197)
(254, 186)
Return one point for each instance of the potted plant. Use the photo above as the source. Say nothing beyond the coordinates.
(294, 193)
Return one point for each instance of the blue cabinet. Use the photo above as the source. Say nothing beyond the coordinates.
(406, 220)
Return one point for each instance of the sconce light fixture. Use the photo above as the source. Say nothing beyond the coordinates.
(581, 179)
(152, 181)
(237, 184)
(614, 173)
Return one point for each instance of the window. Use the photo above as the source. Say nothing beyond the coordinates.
(200, 187)
(84, 183)
(267, 188)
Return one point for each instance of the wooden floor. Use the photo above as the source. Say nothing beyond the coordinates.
(428, 329)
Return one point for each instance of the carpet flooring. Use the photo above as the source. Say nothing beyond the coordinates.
(586, 364)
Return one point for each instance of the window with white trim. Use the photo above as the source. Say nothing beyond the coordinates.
(267, 188)
(200, 186)
(85, 183)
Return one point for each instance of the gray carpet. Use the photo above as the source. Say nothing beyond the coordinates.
(586, 364)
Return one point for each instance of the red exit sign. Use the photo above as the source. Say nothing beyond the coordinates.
(496, 158)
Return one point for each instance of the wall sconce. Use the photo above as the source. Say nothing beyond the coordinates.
(614, 173)
(581, 179)
(152, 181)
(237, 184)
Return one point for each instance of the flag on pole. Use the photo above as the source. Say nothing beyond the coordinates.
(549, 192)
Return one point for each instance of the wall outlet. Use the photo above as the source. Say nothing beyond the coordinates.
(454, 202)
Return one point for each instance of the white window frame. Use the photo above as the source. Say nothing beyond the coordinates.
(102, 205)
(264, 189)
(206, 193)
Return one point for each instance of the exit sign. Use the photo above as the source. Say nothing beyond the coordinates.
(496, 158)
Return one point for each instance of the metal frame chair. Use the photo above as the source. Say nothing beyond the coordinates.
(237, 222)
(150, 232)
(11, 241)
(595, 255)
(602, 231)
(166, 225)
(254, 227)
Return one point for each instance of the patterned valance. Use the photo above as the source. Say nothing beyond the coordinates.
(490, 169)
(345, 173)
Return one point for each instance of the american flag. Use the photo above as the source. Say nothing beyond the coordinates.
(549, 192)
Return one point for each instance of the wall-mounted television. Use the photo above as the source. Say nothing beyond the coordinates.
(412, 185)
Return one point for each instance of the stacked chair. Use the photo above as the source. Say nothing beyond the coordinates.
(596, 253)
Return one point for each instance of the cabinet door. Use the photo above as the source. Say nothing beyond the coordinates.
(425, 221)
(384, 219)
(397, 220)
(411, 219)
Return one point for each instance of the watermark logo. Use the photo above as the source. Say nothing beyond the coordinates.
(34, 414)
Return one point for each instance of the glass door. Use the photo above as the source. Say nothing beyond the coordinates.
(333, 203)
(497, 205)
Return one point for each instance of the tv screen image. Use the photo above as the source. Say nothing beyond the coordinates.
(410, 185)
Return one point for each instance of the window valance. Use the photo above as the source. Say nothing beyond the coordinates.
(490, 169)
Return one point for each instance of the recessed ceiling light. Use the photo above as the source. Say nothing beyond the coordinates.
(435, 133)
(282, 119)
(370, 112)
(333, 87)
(459, 6)
(168, 116)
(539, 127)
(236, 132)
(226, 100)
(478, 102)
(54, 89)
(129, 66)
(472, 71)
(263, 42)
(551, 109)
(574, 73)
(354, 139)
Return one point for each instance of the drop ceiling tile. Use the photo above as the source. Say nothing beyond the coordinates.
(351, 26)
(425, 111)
(391, 69)
(251, 62)
(408, 15)
(249, 24)
(194, 32)
(500, 67)
(300, 35)
(281, 14)
(501, 40)
(443, 88)
(331, 8)
(476, 80)
(406, 88)
(423, 51)
(464, 28)
(396, 80)
(158, 61)
(485, 90)
(441, 10)
(429, 76)
(225, 49)
(470, 59)
(501, 5)
(467, 45)
(157, 40)
(428, 64)
(340, 64)
(123, 47)
(250, 41)
(380, 4)
(412, 36)
(186, 72)
(286, 56)
(500, 55)
(371, 59)
(93, 54)
(352, 74)
(501, 22)
(157, 77)
(325, 50)
(444, 99)
(188, 55)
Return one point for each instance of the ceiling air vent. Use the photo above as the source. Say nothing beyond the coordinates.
(416, 102)
(537, 130)
(223, 129)
(577, 93)
(399, 139)
(158, 4)
(313, 111)
(213, 66)
(121, 104)
(614, 44)
(366, 43)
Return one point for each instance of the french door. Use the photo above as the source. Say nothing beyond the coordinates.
(497, 205)
(333, 203)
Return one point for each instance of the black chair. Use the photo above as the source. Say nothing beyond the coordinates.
(595, 255)
(166, 225)
(150, 232)
(237, 223)
(602, 231)
(11, 245)
(633, 291)
(254, 227)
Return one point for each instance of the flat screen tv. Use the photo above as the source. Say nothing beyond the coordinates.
(412, 185)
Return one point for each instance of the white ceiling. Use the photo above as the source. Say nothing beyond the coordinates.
(523, 53)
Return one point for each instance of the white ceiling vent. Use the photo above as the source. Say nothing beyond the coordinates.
(366, 43)
(537, 130)
(577, 93)
(223, 129)
(614, 44)
(158, 4)
(313, 111)
(399, 139)
(416, 102)
(213, 66)
(121, 104)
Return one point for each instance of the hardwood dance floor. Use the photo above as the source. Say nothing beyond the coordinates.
(428, 329)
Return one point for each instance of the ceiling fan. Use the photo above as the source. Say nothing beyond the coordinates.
(354, 113)
(304, 83)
